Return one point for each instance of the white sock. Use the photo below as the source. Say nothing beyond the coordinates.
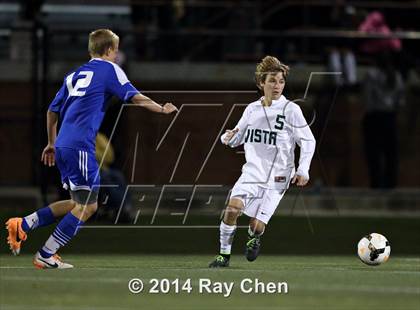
(51, 246)
(227, 232)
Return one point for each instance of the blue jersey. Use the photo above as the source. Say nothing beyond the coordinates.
(82, 102)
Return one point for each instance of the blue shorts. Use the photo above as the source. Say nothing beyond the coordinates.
(79, 169)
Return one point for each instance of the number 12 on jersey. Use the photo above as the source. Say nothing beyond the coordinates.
(83, 81)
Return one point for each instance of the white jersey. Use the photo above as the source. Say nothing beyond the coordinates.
(269, 135)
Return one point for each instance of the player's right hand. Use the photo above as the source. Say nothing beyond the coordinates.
(229, 135)
(48, 155)
(299, 180)
(169, 108)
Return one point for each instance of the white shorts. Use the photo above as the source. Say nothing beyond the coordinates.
(259, 202)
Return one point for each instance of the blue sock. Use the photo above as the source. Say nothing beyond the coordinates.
(40, 218)
(63, 233)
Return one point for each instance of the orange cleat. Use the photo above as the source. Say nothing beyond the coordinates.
(15, 234)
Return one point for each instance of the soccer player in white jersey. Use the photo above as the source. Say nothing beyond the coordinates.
(269, 129)
(80, 104)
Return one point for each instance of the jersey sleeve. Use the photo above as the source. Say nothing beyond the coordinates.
(303, 136)
(119, 85)
(242, 125)
(60, 97)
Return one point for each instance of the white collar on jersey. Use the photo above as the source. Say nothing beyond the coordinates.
(100, 59)
(97, 58)
(282, 98)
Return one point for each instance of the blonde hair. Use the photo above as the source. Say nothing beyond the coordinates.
(101, 40)
(269, 65)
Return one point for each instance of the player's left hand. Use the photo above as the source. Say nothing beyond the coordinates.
(169, 108)
(299, 180)
(48, 155)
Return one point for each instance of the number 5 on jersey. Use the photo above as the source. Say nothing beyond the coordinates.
(279, 122)
(83, 81)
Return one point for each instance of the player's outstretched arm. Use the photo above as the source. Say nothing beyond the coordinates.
(48, 154)
(234, 137)
(146, 102)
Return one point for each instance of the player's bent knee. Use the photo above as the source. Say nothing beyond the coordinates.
(87, 210)
(92, 208)
(257, 226)
(236, 203)
(233, 210)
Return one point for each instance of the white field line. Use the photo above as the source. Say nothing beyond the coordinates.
(313, 268)
(194, 307)
(173, 307)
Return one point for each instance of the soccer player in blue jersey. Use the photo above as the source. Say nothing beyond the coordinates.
(80, 104)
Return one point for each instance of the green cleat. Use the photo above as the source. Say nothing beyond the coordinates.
(252, 248)
(219, 261)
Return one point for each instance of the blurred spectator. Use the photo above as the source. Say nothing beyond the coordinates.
(343, 60)
(111, 197)
(20, 41)
(375, 23)
(341, 57)
(383, 92)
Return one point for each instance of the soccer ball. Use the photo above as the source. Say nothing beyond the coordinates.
(374, 249)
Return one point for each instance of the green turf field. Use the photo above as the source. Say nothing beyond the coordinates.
(314, 282)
